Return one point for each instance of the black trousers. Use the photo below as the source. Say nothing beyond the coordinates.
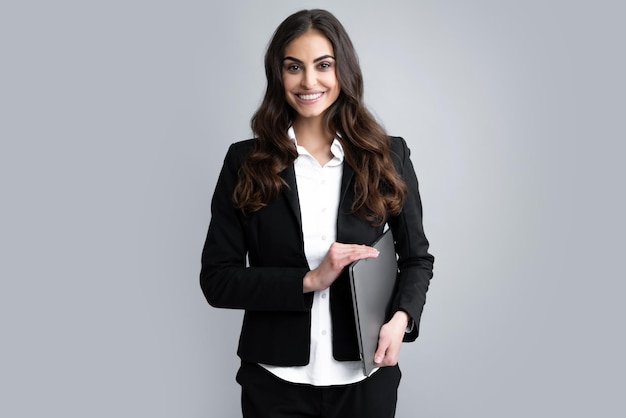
(264, 395)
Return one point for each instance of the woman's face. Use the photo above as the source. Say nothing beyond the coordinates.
(309, 76)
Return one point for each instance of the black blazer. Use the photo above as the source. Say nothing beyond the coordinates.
(277, 320)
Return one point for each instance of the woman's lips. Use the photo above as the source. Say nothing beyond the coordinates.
(309, 98)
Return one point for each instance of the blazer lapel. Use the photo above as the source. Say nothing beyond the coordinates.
(291, 192)
(345, 205)
(346, 179)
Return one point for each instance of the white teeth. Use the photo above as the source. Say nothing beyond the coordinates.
(310, 96)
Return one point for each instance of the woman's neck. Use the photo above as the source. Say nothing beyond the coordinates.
(315, 138)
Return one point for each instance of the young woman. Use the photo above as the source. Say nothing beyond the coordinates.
(291, 209)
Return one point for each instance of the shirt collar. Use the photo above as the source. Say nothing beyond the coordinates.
(335, 148)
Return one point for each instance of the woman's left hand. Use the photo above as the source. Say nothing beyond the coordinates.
(390, 340)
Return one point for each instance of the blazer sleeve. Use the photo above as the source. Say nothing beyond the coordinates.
(225, 279)
(415, 264)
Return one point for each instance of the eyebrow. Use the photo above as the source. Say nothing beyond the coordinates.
(323, 57)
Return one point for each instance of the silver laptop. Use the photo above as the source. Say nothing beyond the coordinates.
(373, 281)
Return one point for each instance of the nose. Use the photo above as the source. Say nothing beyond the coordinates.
(308, 80)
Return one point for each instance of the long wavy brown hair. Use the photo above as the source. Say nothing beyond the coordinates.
(378, 189)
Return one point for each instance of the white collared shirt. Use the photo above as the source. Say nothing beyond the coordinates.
(318, 190)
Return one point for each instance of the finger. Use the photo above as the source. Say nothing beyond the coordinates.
(348, 248)
(362, 251)
(344, 255)
(383, 345)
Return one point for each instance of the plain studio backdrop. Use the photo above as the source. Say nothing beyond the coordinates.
(115, 119)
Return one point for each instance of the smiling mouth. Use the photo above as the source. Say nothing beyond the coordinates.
(309, 97)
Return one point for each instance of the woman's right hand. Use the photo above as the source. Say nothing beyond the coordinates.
(338, 257)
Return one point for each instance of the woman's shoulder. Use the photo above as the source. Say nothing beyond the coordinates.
(241, 146)
(236, 154)
(398, 147)
(397, 141)
(240, 149)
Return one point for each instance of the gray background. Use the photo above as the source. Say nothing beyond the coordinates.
(116, 115)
